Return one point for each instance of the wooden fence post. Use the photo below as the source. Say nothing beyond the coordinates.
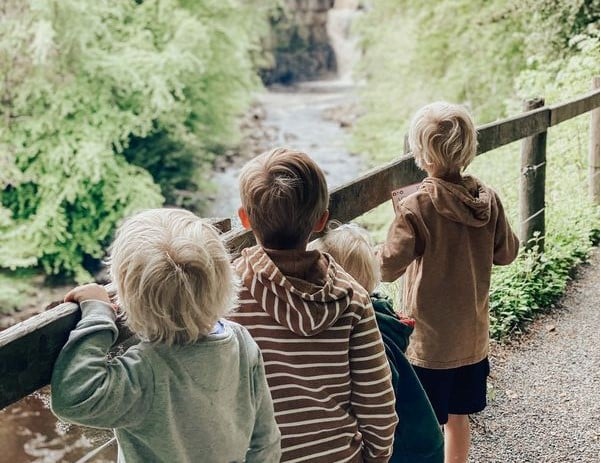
(406, 144)
(532, 184)
(593, 164)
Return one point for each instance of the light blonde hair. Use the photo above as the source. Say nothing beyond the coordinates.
(284, 193)
(351, 246)
(173, 275)
(443, 136)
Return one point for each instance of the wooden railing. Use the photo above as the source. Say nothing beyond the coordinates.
(29, 349)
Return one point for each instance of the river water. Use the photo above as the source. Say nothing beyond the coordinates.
(28, 430)
(300, 118)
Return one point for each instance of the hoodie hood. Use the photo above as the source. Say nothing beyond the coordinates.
(306, 291)
(468, 202)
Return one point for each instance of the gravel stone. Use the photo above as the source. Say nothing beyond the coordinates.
(544, 387)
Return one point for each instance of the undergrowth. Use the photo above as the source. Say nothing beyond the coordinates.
(531, 285)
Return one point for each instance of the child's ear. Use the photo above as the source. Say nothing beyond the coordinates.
(321, 223)
(244, 218)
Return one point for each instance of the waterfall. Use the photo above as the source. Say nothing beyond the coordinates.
(340, 20)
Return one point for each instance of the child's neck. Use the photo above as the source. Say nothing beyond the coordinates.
(451, 177)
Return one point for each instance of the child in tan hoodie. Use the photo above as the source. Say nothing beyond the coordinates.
(324, 358)
(445, 238)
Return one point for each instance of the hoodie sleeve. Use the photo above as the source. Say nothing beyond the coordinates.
(506, 242)
(402, 246)
(372, 396)
(265, 440)
(90, 390)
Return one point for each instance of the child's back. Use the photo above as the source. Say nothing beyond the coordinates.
(446, 237)
(458, 230)
(195, 389)
(324, 358)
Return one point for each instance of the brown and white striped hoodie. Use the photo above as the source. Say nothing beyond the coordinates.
(324, 358)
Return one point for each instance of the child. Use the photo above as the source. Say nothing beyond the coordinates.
(446, 237)
(324, 358)
(194, 388)
(417, 438)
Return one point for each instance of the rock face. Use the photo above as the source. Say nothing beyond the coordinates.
(299, 43)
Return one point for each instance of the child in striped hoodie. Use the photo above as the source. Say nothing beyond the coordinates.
(324, 358)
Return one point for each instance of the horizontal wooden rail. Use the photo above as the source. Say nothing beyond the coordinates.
(29, 349)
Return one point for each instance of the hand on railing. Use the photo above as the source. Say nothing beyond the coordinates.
(87, 292)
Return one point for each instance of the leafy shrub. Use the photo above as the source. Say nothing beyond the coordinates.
(81, 82)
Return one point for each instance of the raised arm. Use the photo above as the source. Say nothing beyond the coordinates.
(89, 389)
(402, 246)
(372, 396)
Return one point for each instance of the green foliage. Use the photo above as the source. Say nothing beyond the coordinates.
(533, 283)
(82, 80)
(14, 291)
(466, 51)
(490, 55)
(174, 165)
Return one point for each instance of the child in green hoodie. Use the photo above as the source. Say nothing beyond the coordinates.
(417, 438)
(194, 388)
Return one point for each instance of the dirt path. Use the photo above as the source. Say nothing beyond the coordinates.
(544, 389)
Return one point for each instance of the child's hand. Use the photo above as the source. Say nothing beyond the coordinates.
(86, 292)
(406, 320)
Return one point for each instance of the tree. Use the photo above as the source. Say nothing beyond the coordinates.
(80, 81)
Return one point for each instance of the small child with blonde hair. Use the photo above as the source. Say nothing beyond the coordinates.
(193, 389)
(417, 437)
(445, 238)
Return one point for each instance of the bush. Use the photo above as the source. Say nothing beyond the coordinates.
(88, 87)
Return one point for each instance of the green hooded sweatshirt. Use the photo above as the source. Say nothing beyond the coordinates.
(417, 438)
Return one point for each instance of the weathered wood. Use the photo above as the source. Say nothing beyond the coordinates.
(237, 240)
(532, 184)
(500, 133)
(28, 350)
(223, 225)
(564, 111)
(593, 157)
(372, 188)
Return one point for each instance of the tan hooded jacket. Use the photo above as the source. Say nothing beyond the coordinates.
(324, 358)
(446, 237)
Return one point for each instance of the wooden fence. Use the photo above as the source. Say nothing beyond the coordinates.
(29, 349)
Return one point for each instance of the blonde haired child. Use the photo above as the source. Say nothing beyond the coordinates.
(324, 357)
(445, 238)
(417, 438)
(194, 388)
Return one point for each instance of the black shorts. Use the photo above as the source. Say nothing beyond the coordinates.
(455, 391)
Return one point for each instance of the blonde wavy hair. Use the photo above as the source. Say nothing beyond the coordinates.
(284, 193)
(351, 247)
(173, 275)
(443, 136)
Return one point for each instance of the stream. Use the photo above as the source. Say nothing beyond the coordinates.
(299, 119)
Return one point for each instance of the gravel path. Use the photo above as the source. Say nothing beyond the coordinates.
(544, 387)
